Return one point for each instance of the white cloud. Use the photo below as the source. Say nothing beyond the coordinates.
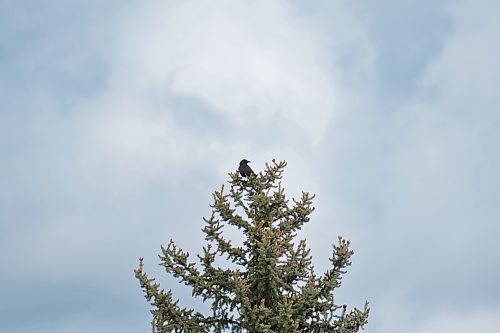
(263, 69)
(268, 73)
(439, 201)
(127, 138)
(467, 70)
(448, 161)
(247, 60)
(410, 187)
(470, 321)
(259, 65)
(417, 188)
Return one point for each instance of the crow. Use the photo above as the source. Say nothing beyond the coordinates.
(245, 170)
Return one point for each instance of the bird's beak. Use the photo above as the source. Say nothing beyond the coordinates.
(249, 161)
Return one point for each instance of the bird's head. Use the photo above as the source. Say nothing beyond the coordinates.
(244, 161)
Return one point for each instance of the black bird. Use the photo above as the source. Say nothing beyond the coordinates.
(245, 170)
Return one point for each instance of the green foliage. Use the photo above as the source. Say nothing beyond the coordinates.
(274, 287)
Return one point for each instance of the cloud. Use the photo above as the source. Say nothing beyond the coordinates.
(415, 187)
(190, 81)
(261, 83)
(251, 61)
(448, 163)
(438, 204)
(466, 70)
(472, 321)
(105, 162)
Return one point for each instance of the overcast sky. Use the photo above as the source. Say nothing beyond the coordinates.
(119, 118)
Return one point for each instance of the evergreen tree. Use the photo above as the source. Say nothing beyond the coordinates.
(267, 284)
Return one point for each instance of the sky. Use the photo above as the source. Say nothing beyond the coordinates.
(118, 119)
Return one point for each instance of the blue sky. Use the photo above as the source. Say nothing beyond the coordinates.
(119, 118)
